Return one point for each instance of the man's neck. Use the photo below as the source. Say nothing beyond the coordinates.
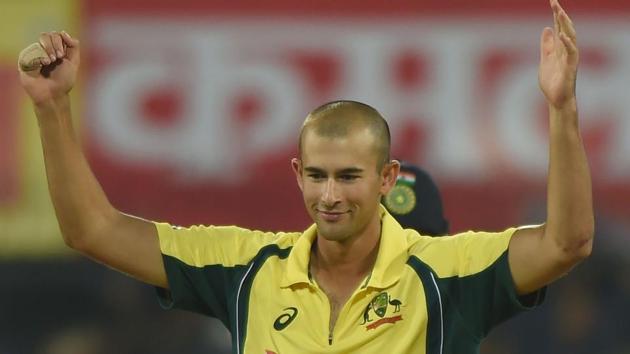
(354, 257)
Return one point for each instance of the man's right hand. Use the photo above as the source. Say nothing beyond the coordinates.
(58, 72)
(89, 223)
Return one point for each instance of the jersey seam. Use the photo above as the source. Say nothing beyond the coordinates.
(257, 263)
(417, 269)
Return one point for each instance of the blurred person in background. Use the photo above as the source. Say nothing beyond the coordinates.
(355, 281)
(415, 202)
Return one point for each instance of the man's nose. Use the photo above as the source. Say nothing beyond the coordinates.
(330, 194)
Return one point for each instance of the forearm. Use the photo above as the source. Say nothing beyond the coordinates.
(570, 220)
(79, 201)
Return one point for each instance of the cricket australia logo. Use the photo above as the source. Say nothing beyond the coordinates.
(376, 310)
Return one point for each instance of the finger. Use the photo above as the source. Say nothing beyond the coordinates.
(72, 46)
(57, 43)
(555, 7)
(45, 42)
(567, 25)
(570, 47)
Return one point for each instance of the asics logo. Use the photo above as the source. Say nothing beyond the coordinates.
(285, 319)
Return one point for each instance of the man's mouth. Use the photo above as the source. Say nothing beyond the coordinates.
(330, 216)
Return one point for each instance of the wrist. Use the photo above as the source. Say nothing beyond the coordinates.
(52, 105)
(564, 118)
(567, 107)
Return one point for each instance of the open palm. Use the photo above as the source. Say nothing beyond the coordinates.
(558, 59)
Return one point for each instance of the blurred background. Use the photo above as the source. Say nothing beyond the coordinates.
(189, 112)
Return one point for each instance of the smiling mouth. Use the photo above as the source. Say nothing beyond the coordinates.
(330, 215)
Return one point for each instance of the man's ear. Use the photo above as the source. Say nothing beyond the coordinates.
(390, 175)
(296, 165)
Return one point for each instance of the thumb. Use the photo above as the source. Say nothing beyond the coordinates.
(546, 42)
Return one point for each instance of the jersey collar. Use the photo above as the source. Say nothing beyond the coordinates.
(390, 261)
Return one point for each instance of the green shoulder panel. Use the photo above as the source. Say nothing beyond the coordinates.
(481, 301)
(215, 290)
(470, 306)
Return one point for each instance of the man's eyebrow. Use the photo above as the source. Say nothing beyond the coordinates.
(348, 170)
(313, 169)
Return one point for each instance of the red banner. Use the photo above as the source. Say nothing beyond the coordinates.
(194, 107)
(383, 321)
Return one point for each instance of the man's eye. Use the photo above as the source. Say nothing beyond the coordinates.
(348, 177)
(316, 176)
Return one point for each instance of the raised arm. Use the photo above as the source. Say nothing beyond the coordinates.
(88, 222)
(538, 256)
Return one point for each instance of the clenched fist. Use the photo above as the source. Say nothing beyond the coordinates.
(58, 71)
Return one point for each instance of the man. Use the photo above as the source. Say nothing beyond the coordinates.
(415, 202)
(355, 281)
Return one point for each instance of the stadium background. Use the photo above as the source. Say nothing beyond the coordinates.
(189, 113)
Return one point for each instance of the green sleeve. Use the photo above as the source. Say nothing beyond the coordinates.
(204, 265)
(207, 290)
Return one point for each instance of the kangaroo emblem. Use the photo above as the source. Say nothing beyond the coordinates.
(366, 314)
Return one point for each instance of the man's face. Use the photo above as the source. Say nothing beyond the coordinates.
(340, 183)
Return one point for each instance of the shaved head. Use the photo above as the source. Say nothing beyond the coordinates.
(338, 119)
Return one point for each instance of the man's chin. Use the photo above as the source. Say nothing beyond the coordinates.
(330, 232)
